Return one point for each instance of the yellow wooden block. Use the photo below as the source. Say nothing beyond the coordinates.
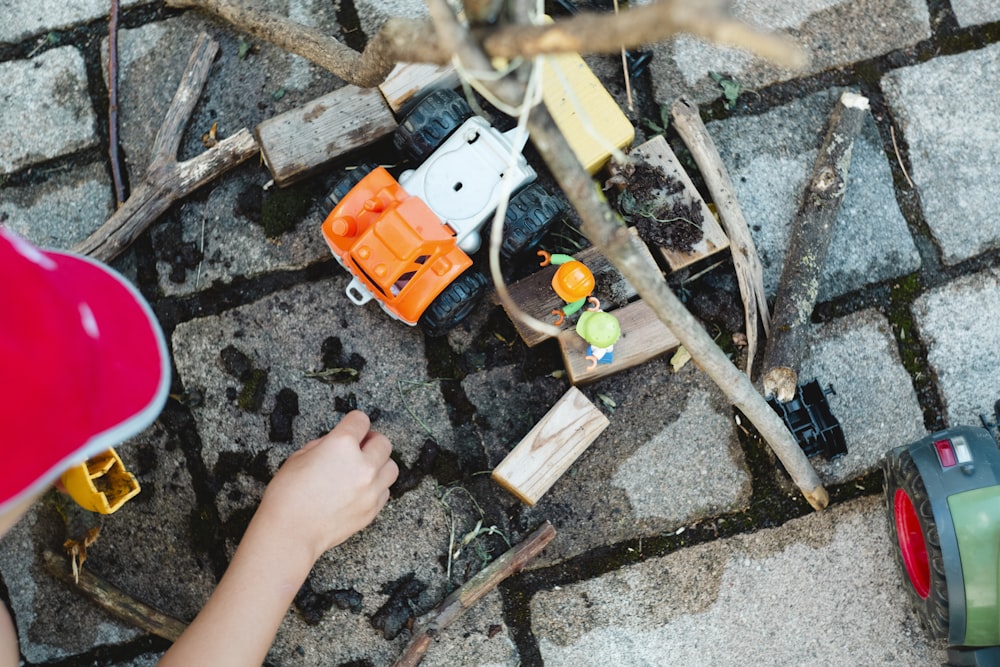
(551, 447)
(584, 110)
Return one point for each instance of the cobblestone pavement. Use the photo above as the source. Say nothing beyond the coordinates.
(679, 542)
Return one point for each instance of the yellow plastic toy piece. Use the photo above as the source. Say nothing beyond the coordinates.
(101, 484)
(584, 110)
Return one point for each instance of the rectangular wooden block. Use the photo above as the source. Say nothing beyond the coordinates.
(643, 337)
(407, 80)
(551, 447)
(534, 294)
(657, 152)
(296, 143)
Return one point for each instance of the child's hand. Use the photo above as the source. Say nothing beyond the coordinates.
(332, 487)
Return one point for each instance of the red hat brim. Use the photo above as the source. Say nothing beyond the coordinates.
(91, 371)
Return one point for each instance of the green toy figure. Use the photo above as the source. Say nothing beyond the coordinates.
(601, 330)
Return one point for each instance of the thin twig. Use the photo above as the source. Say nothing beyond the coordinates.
(116, 171)
(892, 133)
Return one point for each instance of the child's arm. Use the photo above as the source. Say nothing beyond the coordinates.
(323, 494)
(8, 640)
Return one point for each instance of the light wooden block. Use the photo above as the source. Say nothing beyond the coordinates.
(407, 80)
(534, 294)
(643, 337)
(551, 447)
(298, 142)
(657, 152)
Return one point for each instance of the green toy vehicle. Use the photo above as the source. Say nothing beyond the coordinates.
(943, 499)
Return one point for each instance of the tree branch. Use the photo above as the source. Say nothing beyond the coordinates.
(167, 180)
(749, 273)
(811, 232)
(407, 40)
(453, 606)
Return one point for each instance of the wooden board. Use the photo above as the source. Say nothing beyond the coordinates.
(657, 152)
(296, 143)
(644, 337)
(406, 80)
(551, 447)
(535, 295)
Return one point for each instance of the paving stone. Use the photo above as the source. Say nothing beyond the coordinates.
(143, 549)
(952, 146)
(287, 335)
(24, 18)
(874, 401)
(215, 234)
(669, 456)
(833, 32)
(770, 159)
(689, 607)
(957, 323)
(44, 215)
(62, 120)
(972, 12)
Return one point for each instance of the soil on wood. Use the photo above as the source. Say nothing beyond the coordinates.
(663, 213)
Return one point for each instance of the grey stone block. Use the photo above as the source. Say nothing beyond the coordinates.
(669, 456)
(51, 91)
(953, 146)
(833, 33)
(972, 12)
(770, 159)
(691, 607)
(61, 212)
(957, 323)
(23, 18)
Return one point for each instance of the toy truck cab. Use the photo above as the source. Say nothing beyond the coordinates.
(407, 243)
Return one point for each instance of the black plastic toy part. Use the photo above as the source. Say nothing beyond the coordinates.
(810, 420)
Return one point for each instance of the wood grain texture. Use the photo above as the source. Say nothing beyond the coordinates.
(407, 81)
(296, 143)
(551, 447)
(644, 337)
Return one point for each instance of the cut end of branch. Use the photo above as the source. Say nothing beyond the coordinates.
(780, 382)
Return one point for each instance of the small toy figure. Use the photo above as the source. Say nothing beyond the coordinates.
(601, 330)
(573, 282)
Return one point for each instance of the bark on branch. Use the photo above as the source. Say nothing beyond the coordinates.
(749, 272)
(453, 606)
(167, 180)
(811, 232)
(406, 40)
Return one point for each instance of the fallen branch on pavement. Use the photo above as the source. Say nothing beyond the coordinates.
(511, 562)
(749, 272)
(168, 180)
(811, 232)
(113, 600)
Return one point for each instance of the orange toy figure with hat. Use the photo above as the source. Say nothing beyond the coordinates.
(573, 282)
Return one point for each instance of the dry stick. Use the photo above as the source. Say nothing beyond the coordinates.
(114, 601)
(750, 274)
(602, 227)
(511, 562)
(408, 40)
(116, 168)
(811, 232)
(167, 180)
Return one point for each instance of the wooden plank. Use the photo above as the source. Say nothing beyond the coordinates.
(657, 153)
(534, 294)
(551, 447)
(644, 337)
(406, 80)
(298, 142)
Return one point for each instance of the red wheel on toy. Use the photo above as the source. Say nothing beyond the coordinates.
(912, 547)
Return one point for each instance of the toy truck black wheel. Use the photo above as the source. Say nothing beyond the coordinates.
(530, 214)
(429, 123)
(348, 181)
(455, 303)
(918, 549)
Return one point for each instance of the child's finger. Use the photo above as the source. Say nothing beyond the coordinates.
(376, 448)
(387, 474)
(354, 425)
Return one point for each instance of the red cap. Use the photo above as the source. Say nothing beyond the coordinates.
(83, 364)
